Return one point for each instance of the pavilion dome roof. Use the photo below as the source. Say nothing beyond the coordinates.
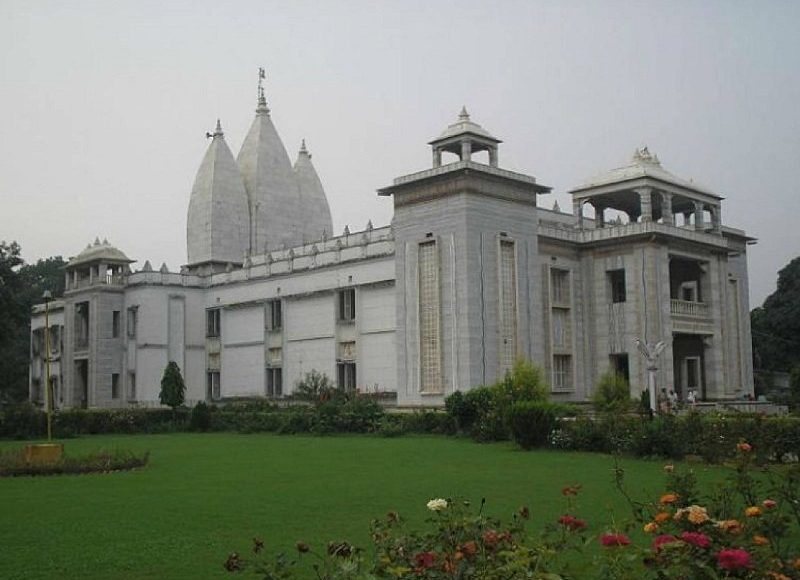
(463, 126)
(100, 252)
(643, 164)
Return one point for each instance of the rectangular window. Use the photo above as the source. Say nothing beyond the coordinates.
(82, 325)
(559, 286)
(115, 386)
(429, 327)
(133, 314)
(621, 366)
(346, 372)
(616, 280)
(274, 381)
(212, 385)
(131, 386)
(274, 315)
(560, 328)
(347, 304)
(562, 372)
(115, 324)
(212, 322)
(508, 305)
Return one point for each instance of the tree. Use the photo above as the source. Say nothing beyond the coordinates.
(14, 325)
(776, 325)
(21, 286)
(173, 389)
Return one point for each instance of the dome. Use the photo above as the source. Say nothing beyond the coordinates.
(100, 252)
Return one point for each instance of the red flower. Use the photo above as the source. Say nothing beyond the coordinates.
(469, 548)
(769, 504)
(571, 522)
(571, 490)
(490, 538)
(744, 447)
(614, 540)
(425, 560)
(663, 539)
(733, 559)
(696, 539)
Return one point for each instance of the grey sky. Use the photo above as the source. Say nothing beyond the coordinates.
(105, 105)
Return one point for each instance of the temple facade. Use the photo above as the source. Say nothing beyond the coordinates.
(471, 274)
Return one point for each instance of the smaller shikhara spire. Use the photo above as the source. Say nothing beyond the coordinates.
(262, 107)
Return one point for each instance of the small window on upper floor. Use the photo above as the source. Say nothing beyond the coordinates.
(133, 316)
(274, 315)
(559, 286)
(212, 322)
(347, 304)
(616, 281)
(115, 324)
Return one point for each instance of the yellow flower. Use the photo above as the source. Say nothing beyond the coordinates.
(732, 526)
(668, 498)
(760, 540)
(669, 468)
(697, 515)
(650, 527)
(753, 511)
(662, 517)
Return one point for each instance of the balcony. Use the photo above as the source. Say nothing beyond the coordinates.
(688, 309)
(616, 232)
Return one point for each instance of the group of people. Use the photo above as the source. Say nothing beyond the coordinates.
(670, 402)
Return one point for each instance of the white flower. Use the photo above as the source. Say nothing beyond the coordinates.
(437, 505)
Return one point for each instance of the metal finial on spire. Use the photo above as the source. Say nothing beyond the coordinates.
(463, 115)
(303, 146)
(262, 100)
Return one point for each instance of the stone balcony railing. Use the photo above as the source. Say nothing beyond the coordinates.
(110, 280)
(688, 309)
(616, 231)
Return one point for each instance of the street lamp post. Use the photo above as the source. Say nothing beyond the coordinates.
(47, 386)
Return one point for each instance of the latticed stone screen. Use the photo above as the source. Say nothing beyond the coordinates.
(430, 344)
(508, 305)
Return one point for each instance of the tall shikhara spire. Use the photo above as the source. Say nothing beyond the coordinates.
(218, 222)
(274, 198)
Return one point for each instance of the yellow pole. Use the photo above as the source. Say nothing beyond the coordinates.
(47, 385)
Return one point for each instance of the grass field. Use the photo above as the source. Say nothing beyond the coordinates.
(204, 495)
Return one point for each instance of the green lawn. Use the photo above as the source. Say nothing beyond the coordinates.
(204, 495)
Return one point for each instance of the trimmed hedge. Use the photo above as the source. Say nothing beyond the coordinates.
(532, 422)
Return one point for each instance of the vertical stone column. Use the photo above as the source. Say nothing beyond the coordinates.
(493, 156)
(599, 215)
(437, 157)
(716, 218)
(646, 203)
(466, 150)
(699, 220)
(666, 208)
(577, 211)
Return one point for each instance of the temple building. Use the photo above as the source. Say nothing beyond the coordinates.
(470, 275)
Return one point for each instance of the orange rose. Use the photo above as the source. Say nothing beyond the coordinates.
(732, 526)
(760, 540)
(668, 498)
(650, 527)
(753, 511)
(662, 517)
(744, 447)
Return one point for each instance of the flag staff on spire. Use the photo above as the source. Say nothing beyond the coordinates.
(262, 101)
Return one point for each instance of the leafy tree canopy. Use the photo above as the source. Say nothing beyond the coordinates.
(776, 324)
(21, 286)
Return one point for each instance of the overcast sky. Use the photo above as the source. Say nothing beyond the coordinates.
(105, 105)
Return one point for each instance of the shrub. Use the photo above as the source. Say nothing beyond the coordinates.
(201, 417)
(22, 421)
(13, 463)
(314, 387)
(532, 422)
(612, 393)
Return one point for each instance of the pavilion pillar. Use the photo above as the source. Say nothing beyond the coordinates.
(646, 203)
(666, 208)
(699, 220)
(577, 211)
